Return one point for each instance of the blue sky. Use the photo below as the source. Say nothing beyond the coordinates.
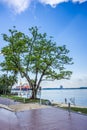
(65, 20)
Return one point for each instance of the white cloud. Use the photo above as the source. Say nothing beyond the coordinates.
(53, 3)
(80, 1)
(18, 6)
(76, 81)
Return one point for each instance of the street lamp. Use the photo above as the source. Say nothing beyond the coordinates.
(40, 94)
(20, 87)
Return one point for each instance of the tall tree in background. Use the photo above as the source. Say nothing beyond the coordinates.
(6, 83)
(35, 55)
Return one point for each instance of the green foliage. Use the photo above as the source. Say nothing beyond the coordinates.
(82, 110)
(77, 109)
(35, 54)
(6, 82)
(26, 100)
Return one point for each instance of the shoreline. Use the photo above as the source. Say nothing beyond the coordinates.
(57, 104)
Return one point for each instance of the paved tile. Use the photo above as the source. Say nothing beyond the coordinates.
(42, 119)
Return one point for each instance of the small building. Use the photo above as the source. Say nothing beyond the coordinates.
(23, 87)
(61, 87)
(22, 90)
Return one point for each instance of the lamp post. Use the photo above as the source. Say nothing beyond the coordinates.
(20, 87)
(40, 94)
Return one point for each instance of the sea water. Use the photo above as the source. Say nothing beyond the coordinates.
(79, 96)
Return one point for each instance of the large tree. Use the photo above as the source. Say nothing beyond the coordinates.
(35, 56)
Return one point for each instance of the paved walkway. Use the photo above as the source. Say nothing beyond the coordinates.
(42, 119)
(28, 106)
(6, 101)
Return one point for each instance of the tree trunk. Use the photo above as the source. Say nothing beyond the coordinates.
(34, 93)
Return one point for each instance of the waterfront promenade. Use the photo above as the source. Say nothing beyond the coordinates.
(48, 118)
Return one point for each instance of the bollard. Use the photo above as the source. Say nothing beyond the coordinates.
(69, 107)
(24, 100)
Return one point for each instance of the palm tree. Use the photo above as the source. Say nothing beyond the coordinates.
(6, 83)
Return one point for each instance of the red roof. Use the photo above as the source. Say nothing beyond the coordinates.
(24, 86)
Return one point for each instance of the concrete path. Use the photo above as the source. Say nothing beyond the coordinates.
(28, 106)
(6, 101)
(42, 119)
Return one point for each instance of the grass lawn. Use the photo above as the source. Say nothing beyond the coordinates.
(77, 109)
(26, 100)
(74, 108)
